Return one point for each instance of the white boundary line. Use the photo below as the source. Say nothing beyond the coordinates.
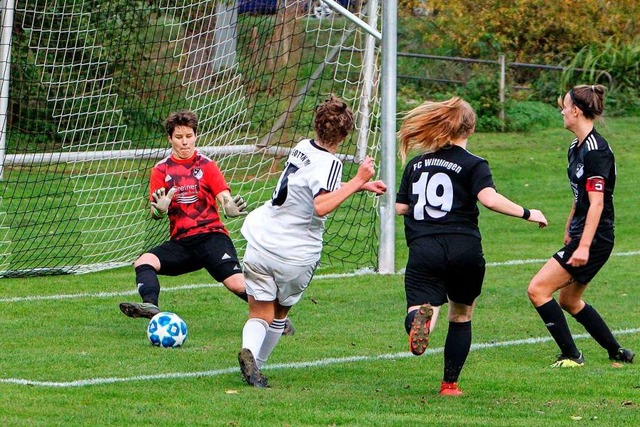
(297, 365)
(361, 272)
(279, 366)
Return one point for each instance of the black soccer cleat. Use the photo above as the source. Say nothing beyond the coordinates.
(250, 372)
(288, 327)
(143, 309)
(623, 355)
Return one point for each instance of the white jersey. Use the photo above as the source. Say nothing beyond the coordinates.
(287, 227)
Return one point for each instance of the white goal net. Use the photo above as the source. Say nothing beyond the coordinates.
(87, 84)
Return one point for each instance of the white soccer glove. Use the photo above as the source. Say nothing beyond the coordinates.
(235, 207)
(162, 201)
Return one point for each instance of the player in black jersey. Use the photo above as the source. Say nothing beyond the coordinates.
(588, 236)
(438, 198)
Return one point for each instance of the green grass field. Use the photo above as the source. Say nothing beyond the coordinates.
(69, 357)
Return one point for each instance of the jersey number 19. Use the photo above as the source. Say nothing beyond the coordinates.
(435, 195)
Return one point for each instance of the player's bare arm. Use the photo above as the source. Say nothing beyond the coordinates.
(567, 238)
(327, 202)
(495, 201)
(596, 204)
(402, 209)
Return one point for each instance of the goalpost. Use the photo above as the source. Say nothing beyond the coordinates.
(86, 85)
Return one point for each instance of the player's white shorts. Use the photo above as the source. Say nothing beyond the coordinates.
(269, 279)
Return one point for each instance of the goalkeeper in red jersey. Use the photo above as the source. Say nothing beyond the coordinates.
(190, 190)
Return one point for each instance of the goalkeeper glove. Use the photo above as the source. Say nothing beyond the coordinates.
(235, 207)
(162, 201)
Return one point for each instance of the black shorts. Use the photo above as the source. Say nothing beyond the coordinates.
(599, 253)
(444, 267)
(212, 251)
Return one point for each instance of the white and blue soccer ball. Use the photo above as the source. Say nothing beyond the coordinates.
(167, 329)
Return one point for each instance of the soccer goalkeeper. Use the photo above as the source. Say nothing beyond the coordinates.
(189, 189)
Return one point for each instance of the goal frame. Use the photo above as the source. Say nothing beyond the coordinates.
(387, 38)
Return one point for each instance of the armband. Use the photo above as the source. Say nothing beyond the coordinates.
(596, 184)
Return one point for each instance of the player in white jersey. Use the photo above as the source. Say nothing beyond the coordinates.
(285, 227)
(284, 236)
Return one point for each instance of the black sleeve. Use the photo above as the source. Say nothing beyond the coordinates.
(481, 177)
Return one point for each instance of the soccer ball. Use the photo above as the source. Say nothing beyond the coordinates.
(167, 329)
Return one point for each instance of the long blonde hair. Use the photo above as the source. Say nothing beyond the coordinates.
(433, 125)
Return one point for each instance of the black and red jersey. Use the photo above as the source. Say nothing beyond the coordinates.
(194, 208)
(592, 161)
(441, 189)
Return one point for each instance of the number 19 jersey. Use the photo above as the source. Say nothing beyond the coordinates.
(441, 189)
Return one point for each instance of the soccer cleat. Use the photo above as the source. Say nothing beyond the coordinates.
(250, 372)
(288, 327)
(419, 332)
(623, 355)
(450, 389)
(143, 309)
(568, 362)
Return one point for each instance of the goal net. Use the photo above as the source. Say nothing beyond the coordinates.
(87, 84)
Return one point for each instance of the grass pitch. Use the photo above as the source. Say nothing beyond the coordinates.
(69, 357)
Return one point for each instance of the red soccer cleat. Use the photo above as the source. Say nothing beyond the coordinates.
(450, 389)
(419, 332)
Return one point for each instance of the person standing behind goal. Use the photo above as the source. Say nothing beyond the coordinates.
(589, 233)
(437, 197)
(188, 187)
(284, 236)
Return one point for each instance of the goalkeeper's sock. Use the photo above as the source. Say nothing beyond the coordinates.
(253, 334)
(597, 328)
(556, 323)
(274, 332)
(148, 284)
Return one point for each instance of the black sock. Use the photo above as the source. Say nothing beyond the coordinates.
(148, 284)
(409, 319)
(456, 350)
(598, 329)
(556, 323)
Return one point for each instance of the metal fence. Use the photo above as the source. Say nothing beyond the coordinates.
(501, 62)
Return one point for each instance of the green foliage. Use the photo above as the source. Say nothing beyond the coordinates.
(601, 39)
(530, 30)
(529, 116)
(482, 92)
(614, 63)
